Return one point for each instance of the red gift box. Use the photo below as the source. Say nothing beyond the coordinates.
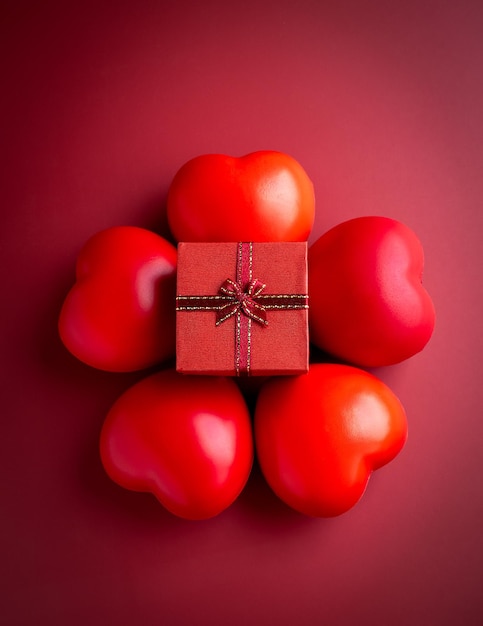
(242, 309)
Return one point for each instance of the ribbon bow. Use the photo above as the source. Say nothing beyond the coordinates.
(243, 300)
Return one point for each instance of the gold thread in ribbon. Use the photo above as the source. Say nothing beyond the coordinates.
(217, 303)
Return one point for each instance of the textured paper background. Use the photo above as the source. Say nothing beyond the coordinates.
(101, 103)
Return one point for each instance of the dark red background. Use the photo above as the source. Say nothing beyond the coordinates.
(102, 102)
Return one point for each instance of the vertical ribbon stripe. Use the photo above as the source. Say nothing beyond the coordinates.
(243, 335)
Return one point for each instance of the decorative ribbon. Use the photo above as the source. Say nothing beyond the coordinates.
(243, 299)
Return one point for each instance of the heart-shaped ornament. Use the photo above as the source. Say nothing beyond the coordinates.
(320, 436)
(186, 439)
(367, 302)
(120, 314)
(263, 196)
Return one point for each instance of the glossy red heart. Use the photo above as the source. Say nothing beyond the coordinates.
(263, 196)
(120, 314)
(186, 439)
(320, 436)
(367, 302)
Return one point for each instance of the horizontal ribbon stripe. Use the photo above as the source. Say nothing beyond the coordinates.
(267, 302)
(202, 303)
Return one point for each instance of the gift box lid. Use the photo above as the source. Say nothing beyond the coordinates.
(242, 308)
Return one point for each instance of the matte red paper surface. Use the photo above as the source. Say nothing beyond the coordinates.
(102, 102)
(279, 347)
